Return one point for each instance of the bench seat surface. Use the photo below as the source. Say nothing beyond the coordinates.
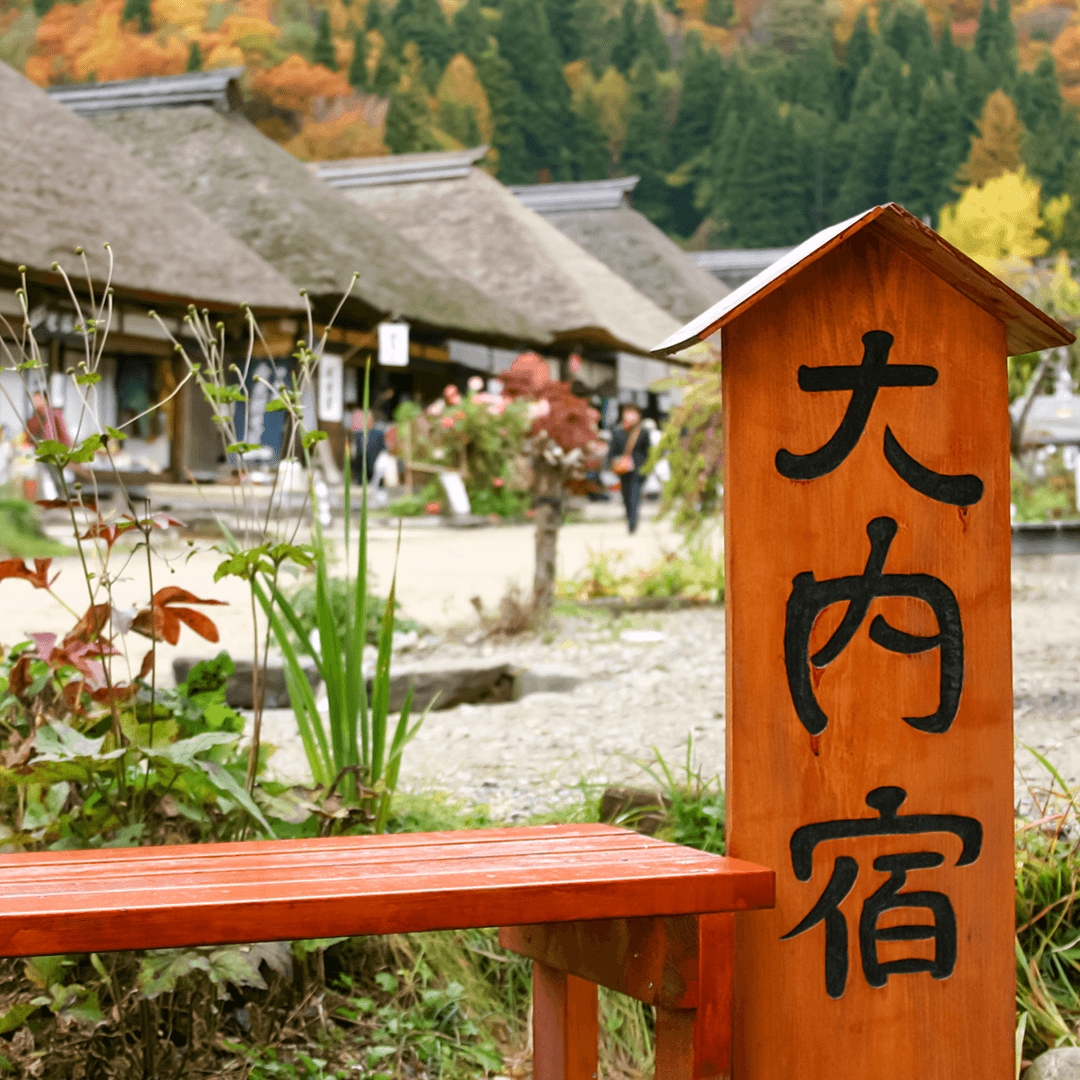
(158, 897)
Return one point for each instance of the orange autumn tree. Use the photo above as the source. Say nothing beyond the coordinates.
(563, 443)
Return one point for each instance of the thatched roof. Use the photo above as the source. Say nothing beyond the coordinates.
(263, 196)
(64, 185)
(474, 224)
(596, 215)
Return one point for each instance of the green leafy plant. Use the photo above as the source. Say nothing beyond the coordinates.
(355, 749)
(694, 574)
(341, 594)
(1048, 919)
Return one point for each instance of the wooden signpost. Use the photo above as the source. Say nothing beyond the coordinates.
(869, 700)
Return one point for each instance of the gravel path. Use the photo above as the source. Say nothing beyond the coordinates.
(522, 757)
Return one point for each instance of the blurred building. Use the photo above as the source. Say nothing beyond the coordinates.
(467, 220)
(65, 186)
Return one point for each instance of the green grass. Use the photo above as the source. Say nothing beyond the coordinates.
(22, 537)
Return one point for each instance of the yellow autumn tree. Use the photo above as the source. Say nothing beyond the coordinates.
(995, 151)
(604, 101)
(462, 101)
(999, 221)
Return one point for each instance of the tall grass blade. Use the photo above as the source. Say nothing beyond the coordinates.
(360, 601)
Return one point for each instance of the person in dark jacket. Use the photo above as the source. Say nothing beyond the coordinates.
(627, 455)
(376, 444)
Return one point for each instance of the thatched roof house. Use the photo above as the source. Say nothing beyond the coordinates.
(597, 215)
(64, 185)
(466, 220)
(259, 193)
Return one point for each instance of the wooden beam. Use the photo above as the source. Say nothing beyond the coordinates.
(652, 959)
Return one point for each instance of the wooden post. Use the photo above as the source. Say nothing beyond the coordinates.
(565, 1025)
(682, 965)
(869, 698)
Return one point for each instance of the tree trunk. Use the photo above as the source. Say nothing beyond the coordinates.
(548, 519)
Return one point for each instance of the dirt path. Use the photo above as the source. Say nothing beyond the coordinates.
(634, 695)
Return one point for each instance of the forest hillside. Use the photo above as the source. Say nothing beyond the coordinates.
(750, 122)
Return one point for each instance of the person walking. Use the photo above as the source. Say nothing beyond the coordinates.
(627, 456)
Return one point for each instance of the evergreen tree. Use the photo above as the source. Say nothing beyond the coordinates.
(138, 11)
(974, 83)
(1038, 94)
(770, 202)
(373, 16)
(794, 24)
(947, 49)
(643, 151)
(651, 38)
(408, 122)
(907, 30)
(865, 146)
(358, 72)
(986, 34)
(702, 72)
(996, 149)
(324, 44)
(856, 57)
(423, 21)
(388, 69)
(625, 53)
(526, 44)
(927, 153)
(194, 59)
(884, 74)
(505, 99)
(472, 35)
(1005, 39)
(596, 33)
(561, 15)
(723, 155)
(719, 12)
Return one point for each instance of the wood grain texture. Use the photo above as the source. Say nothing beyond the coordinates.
(779, 777)
(565, 1026)
(76, 901)
(652, 960)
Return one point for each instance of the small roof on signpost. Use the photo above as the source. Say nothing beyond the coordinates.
(1027, 328)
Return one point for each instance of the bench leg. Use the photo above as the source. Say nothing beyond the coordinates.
(695, 1044)
(565, 1026)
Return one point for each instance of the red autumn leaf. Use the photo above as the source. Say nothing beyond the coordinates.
(90, 626)
(109, 532)
(160, 622)
(120, 695)
(147, 664)
(19, 676)
(174, 592)
(16, 568)
(200, 623)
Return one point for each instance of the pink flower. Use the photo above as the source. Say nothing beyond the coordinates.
(447, 422)
(452, 394)
(497, 408)
(476, 383)
(498, 482)
(538, 409)
(575, 364)
(436, 407)
(432, 508)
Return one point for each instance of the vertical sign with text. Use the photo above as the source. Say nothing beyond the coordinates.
(869, 711)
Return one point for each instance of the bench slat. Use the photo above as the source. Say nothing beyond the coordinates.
(214, 894)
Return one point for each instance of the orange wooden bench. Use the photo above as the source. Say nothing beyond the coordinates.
(591, 904)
